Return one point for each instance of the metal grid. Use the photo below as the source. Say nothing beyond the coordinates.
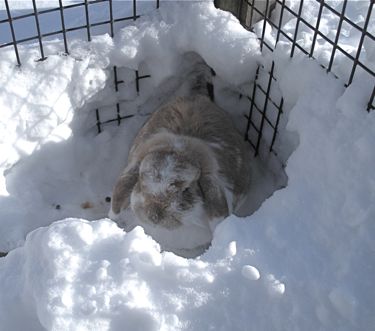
(64, 31)
(249, 13)
(110, 24)
(266, 103)
(118, 117)
(265, 112)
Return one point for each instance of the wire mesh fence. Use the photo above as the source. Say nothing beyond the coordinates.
(261, 15)
(19, 27)
(67, 21)
(34, 18)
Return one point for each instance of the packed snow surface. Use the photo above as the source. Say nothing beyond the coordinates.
(302, 261)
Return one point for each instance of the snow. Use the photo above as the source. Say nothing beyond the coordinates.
(74, 17)
(250, 272)
(349, 37)
(65, 89)
(302, 261)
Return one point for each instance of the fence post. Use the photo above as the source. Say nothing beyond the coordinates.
(244, 10)
(229, 5)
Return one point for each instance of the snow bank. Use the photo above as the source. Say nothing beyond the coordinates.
(79, 275)
(208, 32)
(303, 261)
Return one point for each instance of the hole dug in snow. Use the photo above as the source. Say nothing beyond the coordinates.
(143, 194)
(75, 177)
(72, 176)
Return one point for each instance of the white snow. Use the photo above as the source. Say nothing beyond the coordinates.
(302, 261)
(74, 17)
(250, 272)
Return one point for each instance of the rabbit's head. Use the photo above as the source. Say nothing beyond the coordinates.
(167, 189)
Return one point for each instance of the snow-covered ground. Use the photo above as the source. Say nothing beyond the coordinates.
(302, 261)
(74, 16)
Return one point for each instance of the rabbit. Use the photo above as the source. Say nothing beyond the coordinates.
(188, 167)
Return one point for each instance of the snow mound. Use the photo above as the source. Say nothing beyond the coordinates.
(303, 261)
(80, 275)
(208, 32)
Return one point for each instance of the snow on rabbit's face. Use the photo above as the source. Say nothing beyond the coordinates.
(167, 189)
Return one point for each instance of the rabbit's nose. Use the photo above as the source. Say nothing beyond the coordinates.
(157, 214)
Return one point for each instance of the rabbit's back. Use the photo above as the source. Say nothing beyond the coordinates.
(200, 118)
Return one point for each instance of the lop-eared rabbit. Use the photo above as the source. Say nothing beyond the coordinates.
(188, 169)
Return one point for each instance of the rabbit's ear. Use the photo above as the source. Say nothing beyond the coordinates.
(214, 198)
(123, 188)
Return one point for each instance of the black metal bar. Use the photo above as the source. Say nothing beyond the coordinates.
(270, 48)
(134, 9)
(118, 114)
(251, 123)
(126, 18)
(98, 124)
(144, 76)
(92, 2)
(251, 105)
(117, 82)
(42, 57)
(280, 111)
(31, 14)
(137, 81)
(87, 20)
(264, 26)
(337, 36)
(157, 4)
(261, 112)
(116, 120)
(296, 30)
(251, 143)
(264, 110)
(254, 127)
(115, 77)
(265, 93)
(280, 21)
(138, 78)
(370, 105)
(12, 32)
(316, 27)
(15, 18)
(63, 27)
(111, 18)
(356, 60)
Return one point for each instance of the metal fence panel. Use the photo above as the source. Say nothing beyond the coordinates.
(265, 111)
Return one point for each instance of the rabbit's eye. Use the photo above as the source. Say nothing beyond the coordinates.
(186, 193)
(176, 185)
(187, 199)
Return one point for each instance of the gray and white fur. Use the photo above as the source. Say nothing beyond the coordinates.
(187, 162)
